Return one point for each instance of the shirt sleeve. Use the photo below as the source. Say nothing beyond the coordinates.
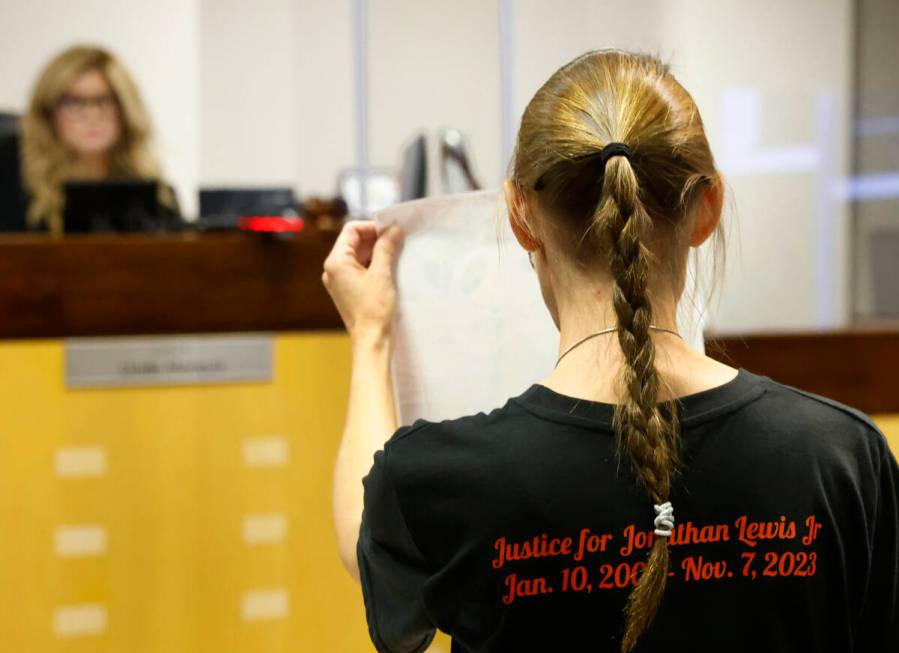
(391, 568)
(879, 626)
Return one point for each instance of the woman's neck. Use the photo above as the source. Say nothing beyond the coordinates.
(594, 310)
(94, 166)
(590, 370)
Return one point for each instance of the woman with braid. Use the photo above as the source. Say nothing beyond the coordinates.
(641, 495)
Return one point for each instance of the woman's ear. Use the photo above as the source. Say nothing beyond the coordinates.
(518, 209)
(708, 213)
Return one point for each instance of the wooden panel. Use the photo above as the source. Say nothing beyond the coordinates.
(858, 368)
(158, 284)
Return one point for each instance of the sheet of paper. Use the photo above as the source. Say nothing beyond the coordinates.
(471, 327)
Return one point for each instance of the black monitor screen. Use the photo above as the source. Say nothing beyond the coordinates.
(131, 205)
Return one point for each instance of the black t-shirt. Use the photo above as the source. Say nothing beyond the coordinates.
(520, 530)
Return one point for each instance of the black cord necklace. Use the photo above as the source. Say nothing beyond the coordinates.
(609, 330)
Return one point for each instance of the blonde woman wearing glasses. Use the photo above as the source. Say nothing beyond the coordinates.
(86, 121)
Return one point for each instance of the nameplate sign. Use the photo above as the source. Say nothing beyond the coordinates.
(168, 360)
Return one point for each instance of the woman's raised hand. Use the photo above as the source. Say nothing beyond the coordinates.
(359, 276)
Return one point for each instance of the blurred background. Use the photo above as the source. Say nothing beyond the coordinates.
(170, 491)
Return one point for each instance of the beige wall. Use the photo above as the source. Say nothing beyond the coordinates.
(787, 257)
(435, 65)
(787, 264)
(275, 93)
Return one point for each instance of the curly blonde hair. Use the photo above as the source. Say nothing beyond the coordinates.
(48, 164)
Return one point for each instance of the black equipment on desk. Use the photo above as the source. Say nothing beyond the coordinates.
(127, 205)
(223, 208)
(13, 201)
(414, 170)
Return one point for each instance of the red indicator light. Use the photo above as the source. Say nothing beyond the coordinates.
(271, 224)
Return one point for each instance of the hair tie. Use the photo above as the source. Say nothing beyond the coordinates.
(664, 520)
(614, 149)
(606, 153)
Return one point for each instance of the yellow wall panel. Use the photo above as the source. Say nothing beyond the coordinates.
(889, 424)
(172, 571)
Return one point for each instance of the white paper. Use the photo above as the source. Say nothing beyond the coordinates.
(471, 327)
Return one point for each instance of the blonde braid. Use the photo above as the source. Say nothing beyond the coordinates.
(648, 437)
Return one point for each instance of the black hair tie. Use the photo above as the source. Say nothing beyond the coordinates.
(606, 153)
(613, 149)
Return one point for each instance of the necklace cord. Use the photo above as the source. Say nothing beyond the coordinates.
(605, 331)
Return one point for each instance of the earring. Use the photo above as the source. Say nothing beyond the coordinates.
(531, 260)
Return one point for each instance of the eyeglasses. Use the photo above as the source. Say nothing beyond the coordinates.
(79, 104)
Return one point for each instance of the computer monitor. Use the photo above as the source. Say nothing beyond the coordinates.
(98, 206)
